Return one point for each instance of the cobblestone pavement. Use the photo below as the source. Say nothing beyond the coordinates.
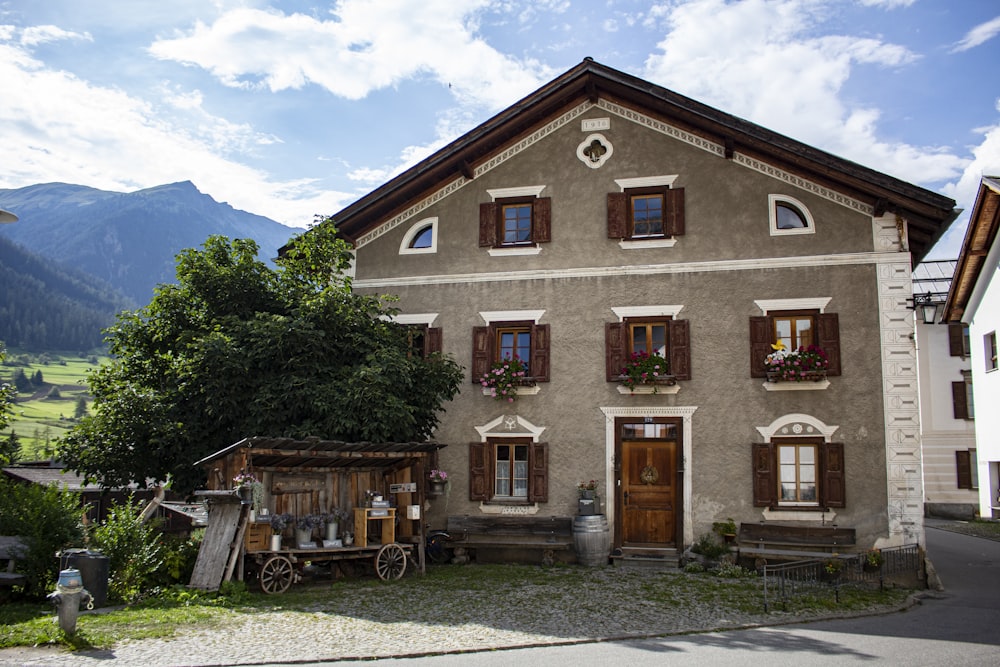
(383, 621)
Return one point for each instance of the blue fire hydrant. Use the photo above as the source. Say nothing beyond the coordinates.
(67, 597)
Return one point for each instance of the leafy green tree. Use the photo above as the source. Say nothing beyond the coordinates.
(238, 349)
(81, 407)
(21, 381)
(133, 550)
(10, 449)
(6, 394)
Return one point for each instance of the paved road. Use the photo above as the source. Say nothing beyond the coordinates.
(957, 626)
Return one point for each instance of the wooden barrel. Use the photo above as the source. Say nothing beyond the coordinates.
(591, 539)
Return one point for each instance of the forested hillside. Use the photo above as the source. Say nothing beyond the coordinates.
(45, 306)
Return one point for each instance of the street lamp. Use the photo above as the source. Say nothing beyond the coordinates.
(928, 308)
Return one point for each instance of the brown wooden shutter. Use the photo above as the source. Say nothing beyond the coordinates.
(541, 220)
(479, 486)
(488, 213)
(959, 400)
(680, 349)
(832, 483)
(538, 485)
(761, 334)
(956, 339)
(617, 215)
(828, 333)
(963, 464)
(673, 223)
(615, 349)
(540, 345)
(482, 352)
(765, 475)
(432, 341)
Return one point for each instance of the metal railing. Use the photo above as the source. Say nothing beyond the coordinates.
(786, 580)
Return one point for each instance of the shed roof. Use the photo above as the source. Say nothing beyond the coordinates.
(981, 235)
(288, 453)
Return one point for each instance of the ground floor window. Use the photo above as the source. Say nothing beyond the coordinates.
(508, 470)
(798, 472)
(967, 464)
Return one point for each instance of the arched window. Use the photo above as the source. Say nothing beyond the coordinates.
(789, 216)
(420, 238)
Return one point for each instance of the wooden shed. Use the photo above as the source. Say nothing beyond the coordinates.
(315, 476)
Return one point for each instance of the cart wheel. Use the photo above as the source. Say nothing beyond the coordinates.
(390, 562)
(276, 575)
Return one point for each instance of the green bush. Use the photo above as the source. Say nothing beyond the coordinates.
(709, 547)
(179, 556)
(133, 550)
(48, 519)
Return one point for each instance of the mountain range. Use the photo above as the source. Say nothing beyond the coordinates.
(128, 240)
(78, 255)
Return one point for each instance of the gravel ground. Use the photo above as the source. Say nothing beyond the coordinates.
(548, 606)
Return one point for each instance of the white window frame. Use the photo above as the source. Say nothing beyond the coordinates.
(413, 231)
(624, 184)
(772, 215)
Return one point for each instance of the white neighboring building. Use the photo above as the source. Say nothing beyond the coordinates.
(947, 429)
(974, 299)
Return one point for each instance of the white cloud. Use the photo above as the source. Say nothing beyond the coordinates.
(90, 140)
(49, 33)
(759, 60)
(978, 35)
(366, 45)
(886, 4)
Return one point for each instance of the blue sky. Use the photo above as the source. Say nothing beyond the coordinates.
(291, 109)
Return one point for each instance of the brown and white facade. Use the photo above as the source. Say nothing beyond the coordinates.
(602, 215)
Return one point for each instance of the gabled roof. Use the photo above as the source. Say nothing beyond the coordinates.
(980, 237)
(928, 213)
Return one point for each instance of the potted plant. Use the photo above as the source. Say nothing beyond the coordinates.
(725, 529)
(587, 489)
(438, 480)
(648, 369)
(332, 520)
(249, 489)
(304, 526)
(504, 377)
(278, 524)
(832, 568)
(872, 560)
(588, 503)
(805, 363)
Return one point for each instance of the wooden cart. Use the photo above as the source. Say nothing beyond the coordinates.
(278, 570)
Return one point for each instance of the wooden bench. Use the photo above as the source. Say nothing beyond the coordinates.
(11, 549)
(785, 541)
(546, 535)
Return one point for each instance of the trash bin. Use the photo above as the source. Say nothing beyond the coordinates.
(94, 570)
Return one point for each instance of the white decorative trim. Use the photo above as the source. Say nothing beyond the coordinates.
(649, 389)
(595, 124)
(627, 244)
(521, 391)
(416, 228)
(769, 305)
(904, 463)
(797, 425)
(522, 191)
(808, 261)
(518, 510)
(826, 517)
(645, 182)
(646, 311)
(599, 162)
(805, 385)
(772, 214)
(414, 318)
(491, 316)
(687, 435)
(513, 426)
(628, 114)
(515, 251)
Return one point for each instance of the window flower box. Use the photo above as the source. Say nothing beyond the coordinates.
(806, 364)
(646, 369)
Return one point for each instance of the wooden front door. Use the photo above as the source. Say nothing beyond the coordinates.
(649, 493)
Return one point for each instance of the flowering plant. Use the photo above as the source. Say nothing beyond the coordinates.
(279, 522)
(795, 365)
(833, 565)
(309, 521)
(438, 476)
(503, 378)
(244, 479)
(587, 486)
(644, 368)
(335, 515)
(873, 558)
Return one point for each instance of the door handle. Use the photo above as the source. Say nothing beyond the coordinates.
(625, 496)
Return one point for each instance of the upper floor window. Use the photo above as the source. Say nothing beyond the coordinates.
(663, 336)
(789, 216)
(958, 340)
(796, 329)
(420, 238)
(990, 345)
(526, 340)
(646, 209)
(961, 397)
(516, 217)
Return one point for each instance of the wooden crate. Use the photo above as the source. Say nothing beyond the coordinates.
(258, 537)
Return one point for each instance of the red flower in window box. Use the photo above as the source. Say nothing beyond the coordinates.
(806, 363)
(645, 368)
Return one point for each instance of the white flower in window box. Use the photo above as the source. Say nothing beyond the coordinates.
(804, 364)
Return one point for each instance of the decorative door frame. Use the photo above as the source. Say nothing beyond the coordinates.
(611, 415)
